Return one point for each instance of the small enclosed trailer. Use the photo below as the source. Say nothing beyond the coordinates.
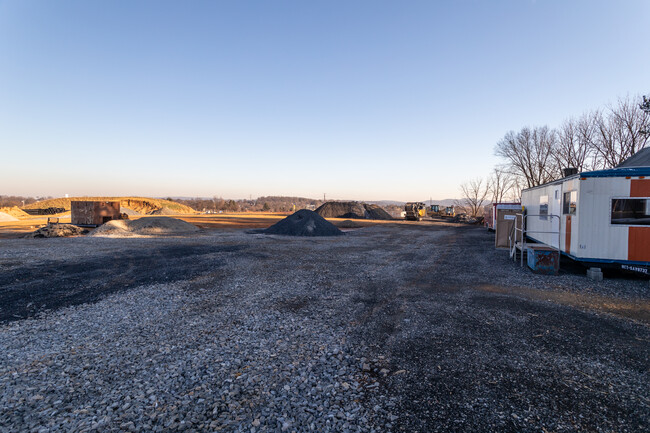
(500, 217)
(598, 217)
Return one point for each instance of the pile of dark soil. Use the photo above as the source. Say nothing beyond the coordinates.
(57, 231)
(303, 223)
(349, 224)
(352, 209)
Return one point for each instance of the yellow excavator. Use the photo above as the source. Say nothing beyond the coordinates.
(415, 211)
(436, 210)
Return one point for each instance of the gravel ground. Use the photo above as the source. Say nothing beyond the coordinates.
(389, 328)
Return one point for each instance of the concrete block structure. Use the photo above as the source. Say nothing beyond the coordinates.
(93, 213)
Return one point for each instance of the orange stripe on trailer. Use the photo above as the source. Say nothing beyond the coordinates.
(638, 238)
(638, 244)
(640, 188)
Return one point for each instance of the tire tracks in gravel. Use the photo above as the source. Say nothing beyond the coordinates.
(26, 291)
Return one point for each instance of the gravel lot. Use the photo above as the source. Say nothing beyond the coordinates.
(416, 328)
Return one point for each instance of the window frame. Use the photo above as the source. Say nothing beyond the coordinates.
(564, 193)
(611, 209)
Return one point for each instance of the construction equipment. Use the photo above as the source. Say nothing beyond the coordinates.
(450, 211)
(435, 211)
(415, 211)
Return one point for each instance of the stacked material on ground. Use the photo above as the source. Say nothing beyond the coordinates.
(464, 218)
(14, 211)
(153, 226)
(5, 217)
(304, 223)
(57, 231)
(352, 209)
(44, 211)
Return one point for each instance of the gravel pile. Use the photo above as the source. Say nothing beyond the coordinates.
(352, 209)
(58, 231)
(152, 226)
(304, 223)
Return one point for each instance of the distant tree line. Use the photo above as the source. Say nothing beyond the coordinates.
(532, 156)
(260, 204)
(17, 200)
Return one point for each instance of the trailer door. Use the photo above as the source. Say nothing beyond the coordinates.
(555, 208)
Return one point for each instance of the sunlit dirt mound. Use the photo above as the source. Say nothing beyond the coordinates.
(163, 211)
(14, 211)
(128, 211)
(353, 210)
(142, 205)
(5, 217)
(304, 223)
(152, 226)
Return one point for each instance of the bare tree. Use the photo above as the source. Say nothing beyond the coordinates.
(620, 131)
(474, 194)
(530, 154)
(515, 192)
(645, 106)
(573, 147)
(499, 184)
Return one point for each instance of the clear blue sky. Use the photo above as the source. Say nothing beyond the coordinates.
(363, 100)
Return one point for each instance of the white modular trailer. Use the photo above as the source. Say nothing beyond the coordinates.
(599, 217)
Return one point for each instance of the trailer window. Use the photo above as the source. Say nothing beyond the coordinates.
(543, 207)
(570, 203)
(631, 211)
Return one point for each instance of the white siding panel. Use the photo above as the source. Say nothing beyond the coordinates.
(530, 199)
(597, 237)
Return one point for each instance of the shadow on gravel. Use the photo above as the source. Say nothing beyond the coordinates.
(26, 291)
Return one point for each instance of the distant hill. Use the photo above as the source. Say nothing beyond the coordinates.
(445, 202)
(387, 203)
(143, 205)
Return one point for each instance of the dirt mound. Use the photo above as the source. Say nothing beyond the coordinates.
(352, 209)
(349, 224)
(303, 223)
(154, 226)
(58, 231)
(376, 212)
(14, 211)
(129, 212)
(144, 205)
(5, 217)
(163, 211)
